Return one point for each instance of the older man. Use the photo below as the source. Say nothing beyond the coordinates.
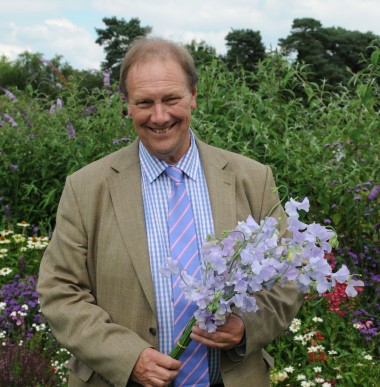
(100, 284)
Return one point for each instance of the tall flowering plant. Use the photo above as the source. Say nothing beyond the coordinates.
(252, 257)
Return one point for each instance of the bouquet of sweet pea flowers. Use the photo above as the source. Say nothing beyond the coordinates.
(252, 257)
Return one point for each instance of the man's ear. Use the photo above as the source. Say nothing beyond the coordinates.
(194, 98)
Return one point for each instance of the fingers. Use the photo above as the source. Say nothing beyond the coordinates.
(155, 369)
(226, 337)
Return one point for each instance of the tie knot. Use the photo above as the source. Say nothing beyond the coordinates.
(175, 174)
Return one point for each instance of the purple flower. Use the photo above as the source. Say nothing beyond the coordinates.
(70, 130)
(9, 95)
(10, 120)
(170, 268)
(374, 193)
(13, 167)
(350, 289)
(356, 198)
(292, 207)
(43, 60)
(107, 78)
(89, 110)
(341, 275)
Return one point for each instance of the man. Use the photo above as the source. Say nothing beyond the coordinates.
(100, 285)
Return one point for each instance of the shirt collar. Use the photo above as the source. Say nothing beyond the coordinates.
(153, 167)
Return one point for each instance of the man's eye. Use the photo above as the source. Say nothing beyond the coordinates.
(172, 100)
(143, 104)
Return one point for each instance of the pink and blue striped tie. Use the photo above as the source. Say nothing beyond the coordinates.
(184, 250)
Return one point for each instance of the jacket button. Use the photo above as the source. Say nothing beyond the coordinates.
(153, 331)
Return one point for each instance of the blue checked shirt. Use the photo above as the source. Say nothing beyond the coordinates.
(156, 187)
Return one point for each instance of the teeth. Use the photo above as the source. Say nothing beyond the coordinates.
(160, 130)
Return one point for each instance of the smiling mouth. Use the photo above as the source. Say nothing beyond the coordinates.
(161, 130)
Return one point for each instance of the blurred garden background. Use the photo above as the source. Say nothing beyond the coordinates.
(310, 110)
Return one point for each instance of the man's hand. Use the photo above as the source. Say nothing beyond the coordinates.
(154, 369)
(226, 337)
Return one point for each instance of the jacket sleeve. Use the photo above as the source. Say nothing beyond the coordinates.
(69, 302)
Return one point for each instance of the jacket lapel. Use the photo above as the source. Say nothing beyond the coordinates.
(221, 187)
(126, 193)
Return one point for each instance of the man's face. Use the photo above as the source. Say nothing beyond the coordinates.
(160, 104)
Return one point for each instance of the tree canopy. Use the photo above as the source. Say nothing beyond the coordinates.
(116, 39)
(328, 51)
(245, 47)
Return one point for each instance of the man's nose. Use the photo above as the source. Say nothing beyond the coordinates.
(159, 114)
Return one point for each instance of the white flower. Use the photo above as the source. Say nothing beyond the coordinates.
(4, 240)
(23, 224)
(315, 348)
(317, 319)
(301, 377)
(332, 352)
(368, 357)
(2, 305)
(319, 380)
(295, 325)
(289, 369)
(5, 271)
(6, 232)
(326, 384)
(317, 369)
(19, 238)
(281, 376)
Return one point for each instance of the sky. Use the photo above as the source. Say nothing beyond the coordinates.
(67, 27)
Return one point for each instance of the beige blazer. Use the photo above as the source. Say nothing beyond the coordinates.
(95, 281)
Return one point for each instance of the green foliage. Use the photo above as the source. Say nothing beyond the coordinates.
(324, 345)
(116, 39)
(328, 51)
(321, 142)
(245, 48)
(33, 172)
(201, 52)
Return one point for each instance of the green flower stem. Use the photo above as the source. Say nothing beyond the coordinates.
(184, 340)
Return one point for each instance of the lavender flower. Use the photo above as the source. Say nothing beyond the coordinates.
(252, 257)
(52, 108)
(13, 167)
(374, 193)
(10, 120)
(70, 130)
(9, 95)
(107, 78)
(89, 110)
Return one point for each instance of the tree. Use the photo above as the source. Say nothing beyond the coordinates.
(33, 71)
(201, 52)
(328, 51)
(245, 47)
(116, 39)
